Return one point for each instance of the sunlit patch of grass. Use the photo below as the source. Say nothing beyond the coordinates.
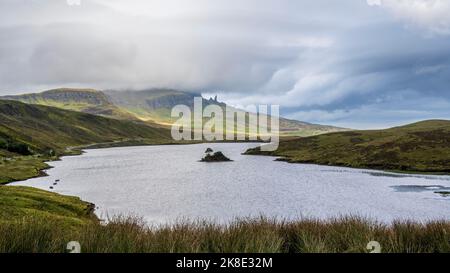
(21, 168)
(17, 203)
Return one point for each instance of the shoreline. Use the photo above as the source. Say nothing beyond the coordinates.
(368, 171)
(79, 150)
(396, 171)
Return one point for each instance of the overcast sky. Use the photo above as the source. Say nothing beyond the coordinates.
(352, 63)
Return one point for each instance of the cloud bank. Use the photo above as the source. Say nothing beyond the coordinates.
(354, 63)
(431, 15)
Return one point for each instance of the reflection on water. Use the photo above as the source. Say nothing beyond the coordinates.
(438, 189)
(420, 188)
(398, 175)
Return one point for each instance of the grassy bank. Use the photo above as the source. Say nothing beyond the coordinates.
(21, 168)
(33, 220)
(254, 236)
(423, 147)
(18, 203)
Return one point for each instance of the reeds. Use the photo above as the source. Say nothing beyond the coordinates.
(262, 235)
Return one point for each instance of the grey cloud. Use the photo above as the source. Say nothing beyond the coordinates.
(333, 59)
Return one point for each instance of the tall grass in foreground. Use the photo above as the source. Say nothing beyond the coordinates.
(259, 235)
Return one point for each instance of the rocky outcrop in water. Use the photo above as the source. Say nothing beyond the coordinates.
(216, 157)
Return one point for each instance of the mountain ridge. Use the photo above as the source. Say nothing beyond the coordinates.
(149, 105)
(89, 101)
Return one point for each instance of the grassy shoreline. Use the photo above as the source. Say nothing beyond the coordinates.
(36, 221)
(395, 171)
(19, 168)
(419, 148)
(37, 167)
(18, 203)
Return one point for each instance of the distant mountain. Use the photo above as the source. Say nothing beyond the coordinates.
(156, 105)
(152, 106)
(26, 128)
(421, 147)
(82, 100)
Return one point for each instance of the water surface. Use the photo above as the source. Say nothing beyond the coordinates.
(168, 183)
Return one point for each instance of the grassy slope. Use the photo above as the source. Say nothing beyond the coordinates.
(156, 105)
(21, 168)
(152, 106)
(82, 100)
(17, 203)
(421, 147)
(49, 131)
(32, 218)
(44, 128)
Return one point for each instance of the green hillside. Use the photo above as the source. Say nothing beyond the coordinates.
(43, 128)
(418, 147)
(16, 203)
(152, 106)
(30, 134)
(82, 100)
(156, 105)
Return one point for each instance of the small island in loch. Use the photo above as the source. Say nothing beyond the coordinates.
(216, 157)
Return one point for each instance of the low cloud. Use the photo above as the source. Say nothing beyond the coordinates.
(432, 15)
(326, 58)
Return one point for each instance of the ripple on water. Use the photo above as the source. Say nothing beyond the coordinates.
(166, 183)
